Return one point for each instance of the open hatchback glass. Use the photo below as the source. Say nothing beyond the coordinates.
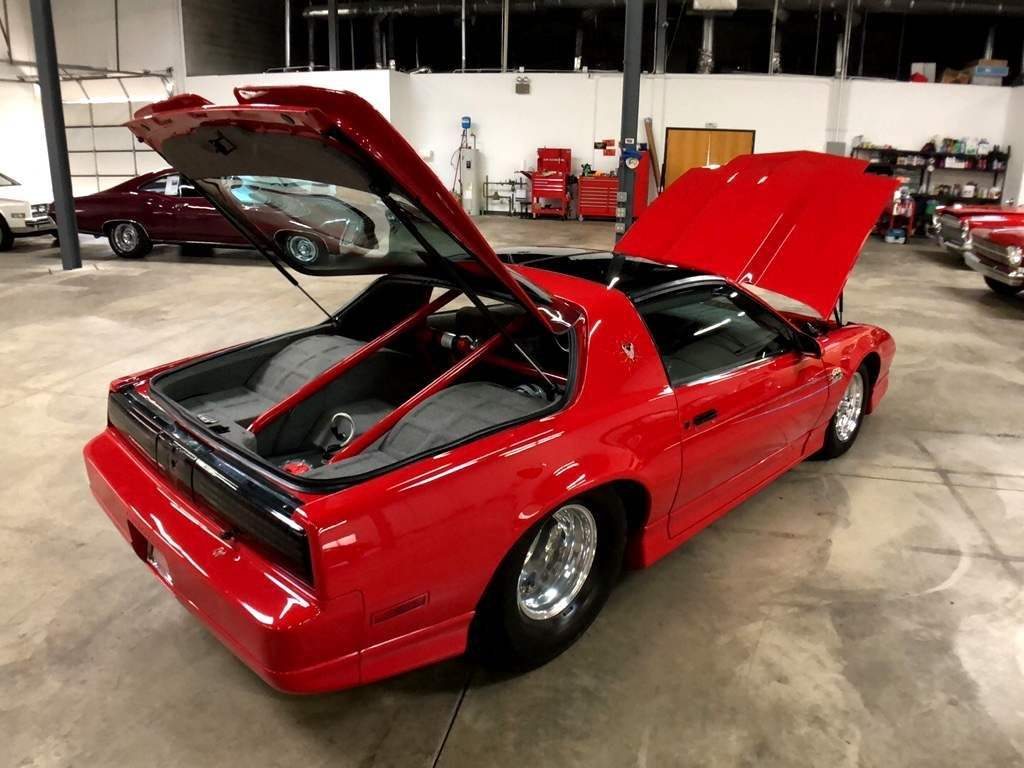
(321, 181)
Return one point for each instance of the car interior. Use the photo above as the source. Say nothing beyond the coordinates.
(228, 393)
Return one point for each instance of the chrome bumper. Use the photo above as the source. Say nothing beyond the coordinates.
(1011, 276)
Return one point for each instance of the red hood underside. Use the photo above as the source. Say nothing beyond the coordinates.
(789, 222)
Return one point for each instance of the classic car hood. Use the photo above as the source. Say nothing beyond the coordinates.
(1007, 236)
(790, 222)
(331, 138)
(995, 211)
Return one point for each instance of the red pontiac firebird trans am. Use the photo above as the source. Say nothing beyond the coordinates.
(466, 454)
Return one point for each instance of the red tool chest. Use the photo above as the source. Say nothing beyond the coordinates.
(597, 197)
(550, 193)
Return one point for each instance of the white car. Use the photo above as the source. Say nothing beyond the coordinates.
(22, 214)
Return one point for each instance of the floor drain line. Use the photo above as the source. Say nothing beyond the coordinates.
(451, 720)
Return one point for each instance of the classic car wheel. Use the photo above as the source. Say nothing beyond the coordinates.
(553, 583)
(129, 241)
(304, 249)
(6, 236)
(1002, 288)
(849, 415)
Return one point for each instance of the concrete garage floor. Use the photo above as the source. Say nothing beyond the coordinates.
(866, 611)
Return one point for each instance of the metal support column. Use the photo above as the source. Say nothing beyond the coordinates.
(287, 33)
(990, 42)
(310, 47)
(463, 27)
(772, 53)
(332, 34)
(504, 34)
(53, 125)
(660, 28)
(630, 113)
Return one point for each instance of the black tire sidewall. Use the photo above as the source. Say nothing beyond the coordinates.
(6, 236)
(143, 247)
(515, 642)
(1002, 289)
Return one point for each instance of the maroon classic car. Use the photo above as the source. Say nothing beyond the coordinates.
(998, 255)
(164, 207)
(953, 224)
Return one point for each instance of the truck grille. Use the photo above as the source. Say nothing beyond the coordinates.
(251, 507)
(991, 251)
(949, 229)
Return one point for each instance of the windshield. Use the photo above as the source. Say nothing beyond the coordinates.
(329, 228)
(7, 181)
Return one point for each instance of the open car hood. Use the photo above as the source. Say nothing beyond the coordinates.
(789, 222)
(250, 158)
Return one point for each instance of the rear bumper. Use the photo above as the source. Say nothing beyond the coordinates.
(274, 624)
(999, 272)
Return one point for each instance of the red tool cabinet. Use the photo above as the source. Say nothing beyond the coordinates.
(597, 197)
(550, 192)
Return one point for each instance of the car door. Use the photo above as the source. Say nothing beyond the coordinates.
(745, 393)
(155, 209)
(199, 222)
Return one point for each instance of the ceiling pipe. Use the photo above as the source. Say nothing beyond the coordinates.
(706, 55)
(475, 7)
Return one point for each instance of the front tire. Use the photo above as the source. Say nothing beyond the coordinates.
(849, 416)
(1002, 288)
(129, 240)
(6, 236)
(552, 584)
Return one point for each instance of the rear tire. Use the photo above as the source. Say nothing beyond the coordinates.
(538, 603)
(1002, 288)
(849, 416)
(6, 236)
(129, 240)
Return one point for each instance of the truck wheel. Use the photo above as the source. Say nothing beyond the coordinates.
(1002, 288)
(129, 240)
(6, 236)
(552, 584)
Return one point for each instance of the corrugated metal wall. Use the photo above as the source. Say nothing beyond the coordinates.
(227, 37)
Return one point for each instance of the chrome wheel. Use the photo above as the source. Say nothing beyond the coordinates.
(850, 408)
(126, 236)
(557, 563)
(303, 249)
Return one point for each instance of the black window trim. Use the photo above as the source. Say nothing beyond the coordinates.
(689, 283)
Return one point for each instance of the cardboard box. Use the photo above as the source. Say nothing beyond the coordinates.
(956, 76)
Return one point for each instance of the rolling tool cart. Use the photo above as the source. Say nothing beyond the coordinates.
(550, 183)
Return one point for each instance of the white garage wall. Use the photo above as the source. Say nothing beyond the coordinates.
(576, 109)
(1014, 136)
(907, 115)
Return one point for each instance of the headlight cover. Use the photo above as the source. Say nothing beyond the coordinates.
(1014, 256)
(40, 209)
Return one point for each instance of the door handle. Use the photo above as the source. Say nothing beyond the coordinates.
(705, 417)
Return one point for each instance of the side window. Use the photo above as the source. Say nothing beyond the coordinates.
(187, 189)
(163, 185)
(156, 186)
(707, 330)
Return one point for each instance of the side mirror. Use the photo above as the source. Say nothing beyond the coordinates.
(807, 345)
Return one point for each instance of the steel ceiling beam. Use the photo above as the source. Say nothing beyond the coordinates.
(480, 7)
